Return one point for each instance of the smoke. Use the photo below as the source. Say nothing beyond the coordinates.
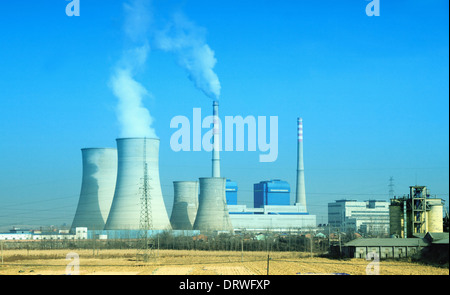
(182, 38)
(135, 120)
(188, 42)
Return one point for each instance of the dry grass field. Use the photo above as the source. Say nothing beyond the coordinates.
(180, 262)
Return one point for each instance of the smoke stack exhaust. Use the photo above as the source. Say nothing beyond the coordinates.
(216, 143)
(300, 193)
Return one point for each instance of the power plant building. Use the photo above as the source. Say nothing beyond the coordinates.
(367, 217)
(231, 190)
(273, 192)
(272, 209)
(210, 204)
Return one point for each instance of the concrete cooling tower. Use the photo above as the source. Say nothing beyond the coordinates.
(137, 171)
(185, 205)
(212, 212)
(97, 187)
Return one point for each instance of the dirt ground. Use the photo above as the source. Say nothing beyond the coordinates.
(180, 262)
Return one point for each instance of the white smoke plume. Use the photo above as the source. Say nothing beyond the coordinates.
(135, 120)
(188, 42)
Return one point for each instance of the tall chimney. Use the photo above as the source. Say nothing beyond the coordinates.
(216, 142)
(300, 196)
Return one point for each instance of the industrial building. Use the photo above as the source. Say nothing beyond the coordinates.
(272, 209)
(121, 191)
(368, 217)
(273, 192)
(384, 247)
(231, 191)
(417, 213)
(79, 233)
(396, 248)
(415, 227)
(273, 217)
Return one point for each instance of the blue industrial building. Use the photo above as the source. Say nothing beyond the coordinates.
(231, 190)
(272, 209)
(273, 192)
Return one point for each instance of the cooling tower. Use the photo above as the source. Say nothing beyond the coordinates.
(216, 141)
(212, 212)
(137, 175)
(97, 187)
(300, 196)
(185, 205)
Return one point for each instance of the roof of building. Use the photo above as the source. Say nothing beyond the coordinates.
(433, 236)
(441, 242)
(387, 242)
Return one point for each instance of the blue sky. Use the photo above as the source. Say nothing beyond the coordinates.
(372, 91)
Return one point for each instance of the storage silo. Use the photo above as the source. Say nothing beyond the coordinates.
(185, 205)
(212, 214)
(396, 218)
(97, 187)
(435, 215)
(138, 167)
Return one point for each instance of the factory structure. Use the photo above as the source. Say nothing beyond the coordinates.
(271, 202)
(121, 197)
(415, 214)
(271, 210)
(401, 217)
(415, 224)
(369, 217)
(121, 191)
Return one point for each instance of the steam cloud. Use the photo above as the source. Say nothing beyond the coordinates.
(187, 41)
(134, 118)
(182, 38)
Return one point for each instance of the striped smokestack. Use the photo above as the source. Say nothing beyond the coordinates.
(216, 143)
(300, 196)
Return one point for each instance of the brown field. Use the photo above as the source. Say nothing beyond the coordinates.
(184, 262)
